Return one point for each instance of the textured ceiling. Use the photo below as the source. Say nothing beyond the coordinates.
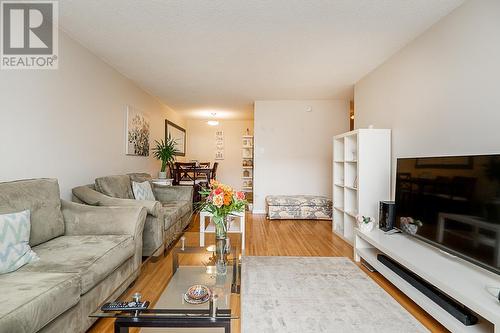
(202, 56)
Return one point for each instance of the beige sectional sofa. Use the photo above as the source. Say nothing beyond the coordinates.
(87, 254)
(167, 216)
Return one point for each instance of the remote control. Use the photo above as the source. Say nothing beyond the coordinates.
(125, 306)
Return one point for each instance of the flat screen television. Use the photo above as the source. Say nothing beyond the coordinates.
(453, 203)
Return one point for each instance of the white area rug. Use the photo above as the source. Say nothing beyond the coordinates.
(312, 295)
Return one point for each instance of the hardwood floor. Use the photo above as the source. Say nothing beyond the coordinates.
(271, 238)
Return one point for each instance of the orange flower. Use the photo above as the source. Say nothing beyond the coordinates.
(227, 200)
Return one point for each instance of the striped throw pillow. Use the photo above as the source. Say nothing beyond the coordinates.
(143, 191)
(15, 250)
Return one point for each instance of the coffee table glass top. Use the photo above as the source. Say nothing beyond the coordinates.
(196, 259)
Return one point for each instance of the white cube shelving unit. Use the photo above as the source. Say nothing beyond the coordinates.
(247, 169)
(361, 177)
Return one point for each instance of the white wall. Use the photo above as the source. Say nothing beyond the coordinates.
(201, 147)
(70, 123)
(441, 93)
(293, 148)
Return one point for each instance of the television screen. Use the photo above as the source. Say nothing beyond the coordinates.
(453, 203)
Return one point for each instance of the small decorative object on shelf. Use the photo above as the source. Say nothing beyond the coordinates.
(409, 225)
(365, 223)
(222, 201)
(353, 157)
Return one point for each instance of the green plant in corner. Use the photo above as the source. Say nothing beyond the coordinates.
(165, 151)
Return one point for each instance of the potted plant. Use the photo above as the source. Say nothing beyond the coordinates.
(365, 223)
(165, 151)
(222, 201)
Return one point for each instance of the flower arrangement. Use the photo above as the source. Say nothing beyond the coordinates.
(365, 223)
(222, 201)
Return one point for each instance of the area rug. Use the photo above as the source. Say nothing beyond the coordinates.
(312, 295)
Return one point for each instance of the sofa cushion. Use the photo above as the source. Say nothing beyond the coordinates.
(140, 177)
(118, 186)
(298, 200)
(174, 211)
(93, 258)
(171, 214)
(14, 238)
(41, 198)
(30, 300)
(186, 207)
(87, 194)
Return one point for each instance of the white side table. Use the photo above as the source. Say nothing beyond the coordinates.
(237, 226)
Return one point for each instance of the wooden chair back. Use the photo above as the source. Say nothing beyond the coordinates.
(205, 164)
(214, 171)
(183, 171)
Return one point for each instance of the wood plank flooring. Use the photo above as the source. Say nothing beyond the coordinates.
(271, 238)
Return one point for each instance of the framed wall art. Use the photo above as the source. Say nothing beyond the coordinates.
(178, 134)
(137, 133)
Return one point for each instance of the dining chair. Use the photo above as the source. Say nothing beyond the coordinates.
(204, 177)
(214, 171)
(184, 173)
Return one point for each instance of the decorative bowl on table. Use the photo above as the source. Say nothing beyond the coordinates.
(197, 294)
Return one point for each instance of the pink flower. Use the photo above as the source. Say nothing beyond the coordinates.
(240, 195)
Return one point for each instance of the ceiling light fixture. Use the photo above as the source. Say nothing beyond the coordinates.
(213, 122)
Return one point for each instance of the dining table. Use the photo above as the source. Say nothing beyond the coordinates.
(184, 175)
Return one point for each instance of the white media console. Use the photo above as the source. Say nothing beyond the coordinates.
(466, 283)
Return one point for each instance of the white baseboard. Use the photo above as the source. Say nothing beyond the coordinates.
(258, 211)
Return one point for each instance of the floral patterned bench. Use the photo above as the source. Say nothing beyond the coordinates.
(303, 207)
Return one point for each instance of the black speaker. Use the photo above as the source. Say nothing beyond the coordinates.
(386, 215)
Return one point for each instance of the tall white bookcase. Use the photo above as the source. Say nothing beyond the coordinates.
(361, 177)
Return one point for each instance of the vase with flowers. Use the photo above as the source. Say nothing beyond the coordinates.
(222, 201)
(365, 223)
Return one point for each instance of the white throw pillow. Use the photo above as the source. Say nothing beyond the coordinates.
(15, 250)
(143, 191)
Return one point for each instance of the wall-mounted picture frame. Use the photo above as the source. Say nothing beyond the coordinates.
(177, 133)
(137, 133)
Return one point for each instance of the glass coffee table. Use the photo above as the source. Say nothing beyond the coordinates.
(215, 264)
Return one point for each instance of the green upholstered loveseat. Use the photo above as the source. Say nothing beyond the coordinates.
(87, 254)
(167, 216)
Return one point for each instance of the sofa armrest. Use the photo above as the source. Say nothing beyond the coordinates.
(173, 193)
(90, 220)
(92, 197)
